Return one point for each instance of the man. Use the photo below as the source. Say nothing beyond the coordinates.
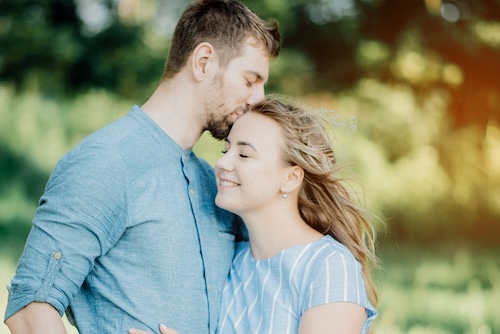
(127, 233)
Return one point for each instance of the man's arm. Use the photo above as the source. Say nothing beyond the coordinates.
(37, 318)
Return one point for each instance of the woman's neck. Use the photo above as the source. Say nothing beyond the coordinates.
(269, 235)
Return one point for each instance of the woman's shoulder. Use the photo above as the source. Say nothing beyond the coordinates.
(333, 248)
(336, 274)
(331, 256)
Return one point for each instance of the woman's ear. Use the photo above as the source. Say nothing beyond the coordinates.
(293, 179)
(201, 60)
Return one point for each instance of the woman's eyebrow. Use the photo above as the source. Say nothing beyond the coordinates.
(245, 143)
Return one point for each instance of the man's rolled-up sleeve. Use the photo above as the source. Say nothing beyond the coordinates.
(82, 214)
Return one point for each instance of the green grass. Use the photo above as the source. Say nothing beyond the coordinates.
(423, 290)
(440, 289)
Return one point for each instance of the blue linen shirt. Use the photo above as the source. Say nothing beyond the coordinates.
(127, 234)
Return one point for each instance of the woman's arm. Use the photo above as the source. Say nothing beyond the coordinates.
(338, 318)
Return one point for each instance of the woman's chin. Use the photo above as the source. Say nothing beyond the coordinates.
(225, 204)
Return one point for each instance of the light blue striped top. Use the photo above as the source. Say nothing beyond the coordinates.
(270, 296)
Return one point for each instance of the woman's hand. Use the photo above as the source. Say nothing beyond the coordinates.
(163, 329)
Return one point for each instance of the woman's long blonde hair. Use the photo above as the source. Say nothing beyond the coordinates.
(324, 202)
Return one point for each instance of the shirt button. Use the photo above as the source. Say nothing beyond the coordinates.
(192, 192)
(57, 256)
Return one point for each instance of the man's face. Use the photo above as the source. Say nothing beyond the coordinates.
(236, 87)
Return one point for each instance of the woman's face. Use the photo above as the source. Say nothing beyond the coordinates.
(251, 172)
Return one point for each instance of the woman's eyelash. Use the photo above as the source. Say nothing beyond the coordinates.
(241, 155)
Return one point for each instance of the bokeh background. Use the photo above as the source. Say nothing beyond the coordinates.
(411, 87)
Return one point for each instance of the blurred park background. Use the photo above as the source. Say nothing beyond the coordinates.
(412, 88)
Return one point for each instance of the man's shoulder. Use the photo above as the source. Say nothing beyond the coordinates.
(115, 131)
(112, 139)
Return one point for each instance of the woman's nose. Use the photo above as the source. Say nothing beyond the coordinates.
(224, 162)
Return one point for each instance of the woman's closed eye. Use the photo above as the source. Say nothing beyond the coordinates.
(241, 154)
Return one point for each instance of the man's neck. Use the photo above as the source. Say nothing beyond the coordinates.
(175, 109)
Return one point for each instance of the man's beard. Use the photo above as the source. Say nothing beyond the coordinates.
(218, 124)
(219, 128)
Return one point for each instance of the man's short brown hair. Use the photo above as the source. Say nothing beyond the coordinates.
(225, 24)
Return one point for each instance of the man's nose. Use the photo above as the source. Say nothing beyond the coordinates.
(257, 95)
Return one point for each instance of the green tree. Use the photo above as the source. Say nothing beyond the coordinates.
(47, 45)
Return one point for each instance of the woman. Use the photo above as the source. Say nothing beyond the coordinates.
(306, 267)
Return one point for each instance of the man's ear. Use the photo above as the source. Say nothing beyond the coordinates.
(293, 179)
(202, 58)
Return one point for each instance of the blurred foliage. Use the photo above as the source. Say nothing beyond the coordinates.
(447, 288)
(47, 46)
(66, 46)
(418, 79)
(430, 181)
(449, 46)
